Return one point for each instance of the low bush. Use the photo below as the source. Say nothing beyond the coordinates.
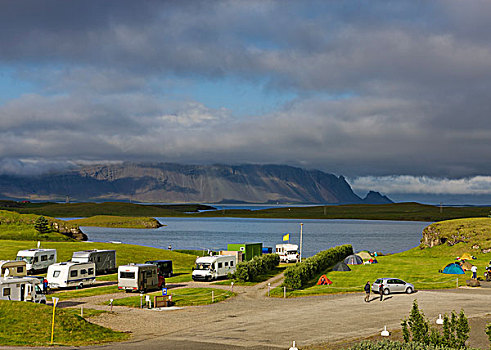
(300, 274)
(395, 345)
(248, 271)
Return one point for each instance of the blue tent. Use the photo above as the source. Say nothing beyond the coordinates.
(453, 269)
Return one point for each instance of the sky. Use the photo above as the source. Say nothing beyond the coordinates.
(394, 95)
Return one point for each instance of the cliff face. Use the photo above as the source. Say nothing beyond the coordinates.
(175, 183)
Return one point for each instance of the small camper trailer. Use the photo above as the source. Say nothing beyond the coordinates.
(105, 260)
(10, 268)
(70, 274)
(213, 267)
(139, 277)
(21, 289)
(38, 259)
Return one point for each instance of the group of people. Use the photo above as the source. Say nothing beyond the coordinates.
(367, 291)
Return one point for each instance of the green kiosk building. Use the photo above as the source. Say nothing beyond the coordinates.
(249, 250)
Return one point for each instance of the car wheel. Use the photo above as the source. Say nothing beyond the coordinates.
(42, 302)
(386, 291)
(409, 290)
(80, 286)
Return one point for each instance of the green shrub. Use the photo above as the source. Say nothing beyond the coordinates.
(248, 271)
(488, 332)
(395, 345)
(453, 336)
(300, 274)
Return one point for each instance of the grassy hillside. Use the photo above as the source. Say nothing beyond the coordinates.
(125, 253)
(21, 227)
(475, 231)
(396, 211)
(117, 221)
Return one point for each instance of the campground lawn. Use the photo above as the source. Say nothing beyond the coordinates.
(182, 297)
(29, 324)
(417, 266)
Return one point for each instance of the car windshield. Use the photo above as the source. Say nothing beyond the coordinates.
(291, 252)
(378, 281)
(27, 259)
(202, 266)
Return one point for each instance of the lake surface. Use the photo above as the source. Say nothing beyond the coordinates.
(216, 233)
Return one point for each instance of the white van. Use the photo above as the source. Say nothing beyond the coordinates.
(11, 268)
(37, 260)
(21, 289)
(105, 260)
(70, 274)
(139, 277)
(213, 267)
(288, 252)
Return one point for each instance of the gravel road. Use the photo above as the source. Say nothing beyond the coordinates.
(254, 321)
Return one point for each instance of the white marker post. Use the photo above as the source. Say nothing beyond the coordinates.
(55, 301)
(301, 233)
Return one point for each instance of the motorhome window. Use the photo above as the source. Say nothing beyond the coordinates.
(91, 271)
(124, 274)
(44, 257)
(202, 266)
(6, 292)
(27, 259)
(231, 263)
(52, 257)
(83, 272)
(20, 269)
(98, 259)
(220, 265)
(73, 273)
(226, 263)
(35, 259)
(37, 289)
(56, 273)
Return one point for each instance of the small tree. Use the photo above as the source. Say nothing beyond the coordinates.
(42, 225)
(418, 324)
(488, 332)
(462, 330)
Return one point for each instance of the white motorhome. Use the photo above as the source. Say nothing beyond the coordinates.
(213, 267)
(288, 252)
(37, 260)
(13, 268)
(139, 277)
(70, 274)
(21, 289)
(105, 260)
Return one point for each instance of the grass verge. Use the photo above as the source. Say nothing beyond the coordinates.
(182, 297)
(30, 324)
(117, 221)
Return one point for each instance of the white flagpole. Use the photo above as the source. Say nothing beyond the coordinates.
(301, 229)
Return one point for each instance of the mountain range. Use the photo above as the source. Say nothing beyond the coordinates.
(177, 183)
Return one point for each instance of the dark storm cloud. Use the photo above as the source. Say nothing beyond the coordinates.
(383, 87)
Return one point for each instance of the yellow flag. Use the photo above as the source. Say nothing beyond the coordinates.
(286, 237)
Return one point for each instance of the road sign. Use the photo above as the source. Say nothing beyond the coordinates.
(164, 292)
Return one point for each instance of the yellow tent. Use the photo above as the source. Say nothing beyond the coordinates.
(466, 256)
(364, 255)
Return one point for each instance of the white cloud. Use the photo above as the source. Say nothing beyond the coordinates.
(477, 185)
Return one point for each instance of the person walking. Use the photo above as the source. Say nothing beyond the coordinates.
(474, 271)
(381, 291)
(367, 292)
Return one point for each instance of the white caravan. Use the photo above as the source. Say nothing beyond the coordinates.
(288, 252)
(105, 260)
(70, 274)
(139, 277)
(37, 259)
(213, 267)
(21, 289)
(10, 268)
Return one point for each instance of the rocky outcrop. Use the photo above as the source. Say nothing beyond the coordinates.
(176, 183)
(71, 231)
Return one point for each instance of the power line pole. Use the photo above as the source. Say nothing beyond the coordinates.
(301, 232)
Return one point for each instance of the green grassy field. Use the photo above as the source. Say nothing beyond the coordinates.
(117, 221)
(182, 297)
(396, 211)
(417, 266)
(28, 324)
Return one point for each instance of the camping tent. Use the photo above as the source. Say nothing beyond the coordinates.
(353, 260)
(453, 269)
(466, 256)
(466, 265)
(341, 266)
(364, 255)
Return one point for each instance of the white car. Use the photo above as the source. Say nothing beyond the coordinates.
(392, 285)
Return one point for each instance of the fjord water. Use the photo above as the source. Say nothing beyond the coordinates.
(216, 233)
